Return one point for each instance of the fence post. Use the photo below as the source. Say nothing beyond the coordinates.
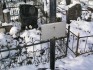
(67, 44)
(77, 45)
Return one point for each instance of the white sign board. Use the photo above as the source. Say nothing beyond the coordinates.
(53, 30)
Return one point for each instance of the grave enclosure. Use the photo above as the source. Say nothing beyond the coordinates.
(31, 57)
(61, 46)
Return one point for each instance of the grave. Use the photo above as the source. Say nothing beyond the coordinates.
(74, 12)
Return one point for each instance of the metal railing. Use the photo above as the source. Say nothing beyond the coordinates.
(40, 53)
(80, 45)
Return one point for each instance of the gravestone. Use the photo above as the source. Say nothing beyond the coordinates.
(74, 12)
(28, 16)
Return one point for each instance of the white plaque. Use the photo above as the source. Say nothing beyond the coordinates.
(53, 30)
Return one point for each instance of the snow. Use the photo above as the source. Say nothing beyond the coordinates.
(83, 62)
(5, 11)
(3, 39)
(59, 15)
(63, 2)
(29, 67)
(30, 35)
(6, 24)
(14, 31)
(84, 28)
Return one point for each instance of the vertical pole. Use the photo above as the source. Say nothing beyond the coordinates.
(77, 45)
(52, 11)
(67, 44)
(52, 54)
(52, 41)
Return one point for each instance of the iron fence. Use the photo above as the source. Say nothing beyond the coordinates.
(72, 42)
(34, 53)
(85, 44)
(41, 55)
(80, 45)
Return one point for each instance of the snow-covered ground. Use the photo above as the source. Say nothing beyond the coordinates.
(84, 28)
(83, 62)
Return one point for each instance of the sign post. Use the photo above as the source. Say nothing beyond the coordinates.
(52, 41)
(51, 32)
(52, 54)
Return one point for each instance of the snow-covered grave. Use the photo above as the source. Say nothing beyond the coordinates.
(27, 37)
(83, 29)
(84, 62)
